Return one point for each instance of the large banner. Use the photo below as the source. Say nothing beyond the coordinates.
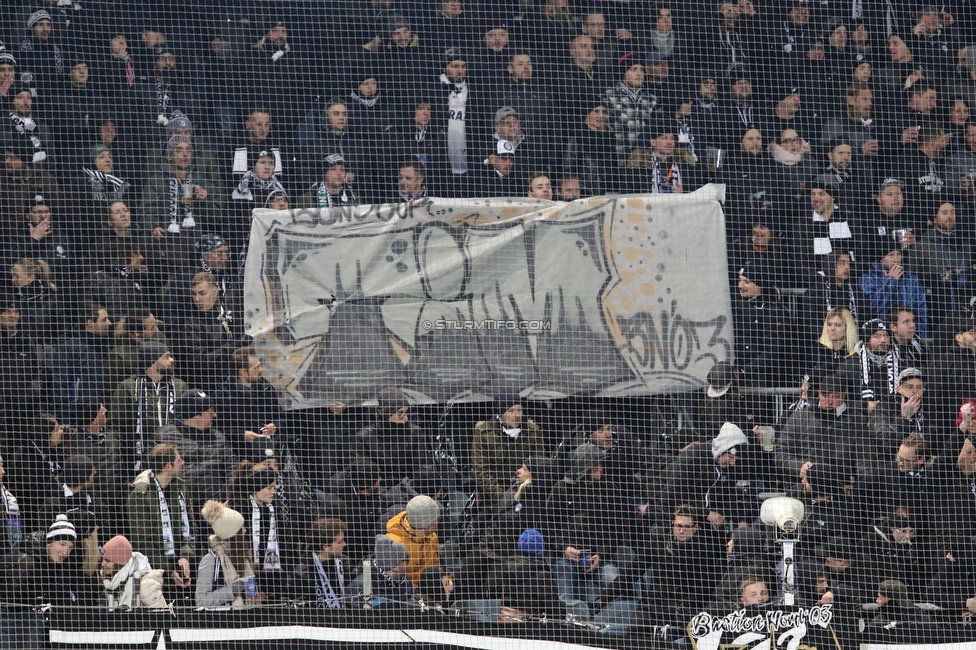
(445, 299)
(809, 628)
(307, 628)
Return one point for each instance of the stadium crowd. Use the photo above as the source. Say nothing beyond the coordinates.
(144, 456)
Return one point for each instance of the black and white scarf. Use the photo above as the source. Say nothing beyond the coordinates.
(869, 359)
(164, 101)
(53, 466)
(12, 520)
(270, 560)
(325, 199)
(250, 183)
(664, 177)
(368, 102)
(180, 214)
(420, 195)
(513, 433)
(106, 187)
(391, 586)
(125, 273)
(839, 174)
(912, 351)
(745, 114)
(848, 288)
(27, 127)
(166, 519)
(152, 412)
(279, 51)
(122, 589)
(226, 319)
(634, 95)
(27, 45)
(457, 104)
(704, 106)
(686, 136)
(244, 159)
(324, 590)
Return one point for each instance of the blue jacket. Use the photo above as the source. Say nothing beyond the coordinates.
(885, 292)
(79, 372)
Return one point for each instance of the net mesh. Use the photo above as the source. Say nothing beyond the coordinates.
(487, 324)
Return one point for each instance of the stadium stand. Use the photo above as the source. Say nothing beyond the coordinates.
(147, 464)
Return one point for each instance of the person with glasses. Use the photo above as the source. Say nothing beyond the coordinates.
(793, 164)
(682, 554)
(905, 482)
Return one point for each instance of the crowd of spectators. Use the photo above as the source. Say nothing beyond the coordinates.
(145, 454)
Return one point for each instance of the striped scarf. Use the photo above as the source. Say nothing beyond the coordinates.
(243, 191)
(162, 401)
(180, 214)
(106, 187)
(871, 360)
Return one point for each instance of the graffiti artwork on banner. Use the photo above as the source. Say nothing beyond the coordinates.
(609, 296)
(802, 628)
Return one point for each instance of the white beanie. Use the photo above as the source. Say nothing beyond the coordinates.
(226, 522)
(729, 437)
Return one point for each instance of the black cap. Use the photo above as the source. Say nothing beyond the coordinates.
(191, 403)
(817, 184)
(454, 54)
(958, 323)
(830, 384)
(209, 243)
(720, 378)
(870, 327)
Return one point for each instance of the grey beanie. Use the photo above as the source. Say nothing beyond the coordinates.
(585, 458)
(179, 121)
(149, 353)
(422, 511)
(389, 553)
(37, 17)
(173, 141)
(729, 438)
